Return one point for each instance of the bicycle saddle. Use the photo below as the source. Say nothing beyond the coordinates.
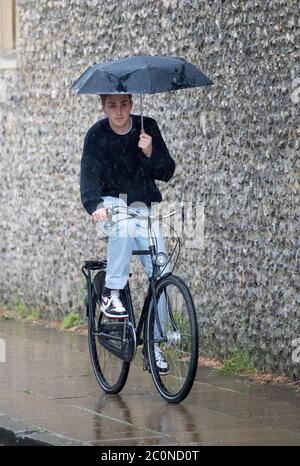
(94, 265)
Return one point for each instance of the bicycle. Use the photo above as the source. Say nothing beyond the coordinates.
(113, 343)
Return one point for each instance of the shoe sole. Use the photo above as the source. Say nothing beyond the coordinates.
(110, 316)
(164, 373)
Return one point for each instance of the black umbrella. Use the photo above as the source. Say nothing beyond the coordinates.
(140, 74)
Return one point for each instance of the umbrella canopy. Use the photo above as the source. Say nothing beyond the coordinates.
(140, 74)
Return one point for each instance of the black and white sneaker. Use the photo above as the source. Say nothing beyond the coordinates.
(111, 305)
(161, 363)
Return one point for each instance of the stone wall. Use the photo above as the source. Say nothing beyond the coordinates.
(235, 145)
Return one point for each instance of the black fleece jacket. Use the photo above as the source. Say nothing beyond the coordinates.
(113, 164)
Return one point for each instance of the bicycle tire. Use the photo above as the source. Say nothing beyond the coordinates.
(111, 372)
(179, 342)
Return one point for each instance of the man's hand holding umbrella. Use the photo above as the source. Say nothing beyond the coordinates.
(145, 143)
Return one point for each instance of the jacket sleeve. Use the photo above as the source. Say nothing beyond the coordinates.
(90, 173)
(160, 164)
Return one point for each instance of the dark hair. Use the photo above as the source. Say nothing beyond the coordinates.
(103, 97)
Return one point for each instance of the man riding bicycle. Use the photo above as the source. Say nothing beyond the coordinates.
(119, 166)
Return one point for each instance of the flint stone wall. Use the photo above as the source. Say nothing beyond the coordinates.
(235, 145)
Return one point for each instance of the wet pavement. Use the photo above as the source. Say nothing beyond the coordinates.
(48, 395)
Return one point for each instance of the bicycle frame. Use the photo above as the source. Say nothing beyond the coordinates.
(150, 296)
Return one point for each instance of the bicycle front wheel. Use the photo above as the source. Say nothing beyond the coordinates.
(177, 336)
(111, 372)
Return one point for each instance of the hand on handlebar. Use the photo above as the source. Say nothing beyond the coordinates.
(100, 215)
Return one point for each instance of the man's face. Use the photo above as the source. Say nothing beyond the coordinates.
(118, 109)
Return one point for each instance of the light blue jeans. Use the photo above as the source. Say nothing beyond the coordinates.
(127, 235)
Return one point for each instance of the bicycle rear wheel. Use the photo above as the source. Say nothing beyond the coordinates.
(179, 339)
(110, 371)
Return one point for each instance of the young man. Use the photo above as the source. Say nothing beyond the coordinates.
(120, 161)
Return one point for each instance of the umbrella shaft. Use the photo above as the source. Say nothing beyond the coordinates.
(141, 105)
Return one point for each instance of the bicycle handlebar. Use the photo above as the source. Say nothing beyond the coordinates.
(112, 210)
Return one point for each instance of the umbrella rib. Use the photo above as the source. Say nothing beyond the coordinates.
(108, 77)
(86, 73)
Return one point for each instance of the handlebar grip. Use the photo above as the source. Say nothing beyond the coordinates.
(109, 215)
